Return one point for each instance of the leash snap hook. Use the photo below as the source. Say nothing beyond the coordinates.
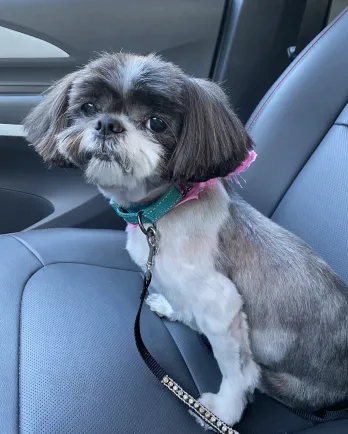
(151, 237)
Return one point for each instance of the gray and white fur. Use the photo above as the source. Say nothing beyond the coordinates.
(274, 312)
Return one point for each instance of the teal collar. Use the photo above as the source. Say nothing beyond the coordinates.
(153, 211)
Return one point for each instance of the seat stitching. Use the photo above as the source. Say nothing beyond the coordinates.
(91, 265)
(19, 345)
(25, 244)
(295, 65)
(37, 256)
(20, 323)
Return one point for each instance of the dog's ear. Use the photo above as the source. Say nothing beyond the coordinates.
(48, 119)
(213, 141)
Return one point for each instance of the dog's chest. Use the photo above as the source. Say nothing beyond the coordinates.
(188, 240)
(183, 262)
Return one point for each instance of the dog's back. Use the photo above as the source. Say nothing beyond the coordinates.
(296, 307)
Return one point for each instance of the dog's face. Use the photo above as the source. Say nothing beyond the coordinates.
(136, 122)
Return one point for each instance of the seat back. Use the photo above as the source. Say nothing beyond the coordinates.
(300, 130)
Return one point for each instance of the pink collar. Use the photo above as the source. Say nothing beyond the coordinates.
(201, 186)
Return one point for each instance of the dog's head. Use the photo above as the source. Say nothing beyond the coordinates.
(135, 122)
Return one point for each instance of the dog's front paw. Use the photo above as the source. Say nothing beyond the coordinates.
(220, 407)
(161, 306)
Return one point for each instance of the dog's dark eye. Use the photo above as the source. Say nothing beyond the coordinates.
(156, 124)
(88, 109)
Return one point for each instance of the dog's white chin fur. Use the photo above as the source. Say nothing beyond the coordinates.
(138, 158)
(106, 173)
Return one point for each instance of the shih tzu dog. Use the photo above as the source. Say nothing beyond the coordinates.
(274, 312)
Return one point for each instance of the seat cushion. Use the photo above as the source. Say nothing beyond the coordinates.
(68, 360)
(67, 304)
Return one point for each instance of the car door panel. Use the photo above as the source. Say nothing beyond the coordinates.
(183, 31)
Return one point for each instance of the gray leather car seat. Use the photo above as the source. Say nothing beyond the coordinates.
(68, 298)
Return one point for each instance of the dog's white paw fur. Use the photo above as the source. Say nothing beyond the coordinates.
(223, 409)
(161, 306)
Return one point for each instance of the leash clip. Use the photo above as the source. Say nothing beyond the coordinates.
(151, 236)
(152, 241)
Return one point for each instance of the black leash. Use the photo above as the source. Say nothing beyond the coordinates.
(195, 406)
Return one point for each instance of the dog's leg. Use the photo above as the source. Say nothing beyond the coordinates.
(239, 372)
(161, 306)
(230, 343)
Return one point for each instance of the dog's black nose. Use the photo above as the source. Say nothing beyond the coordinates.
(108, 125)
